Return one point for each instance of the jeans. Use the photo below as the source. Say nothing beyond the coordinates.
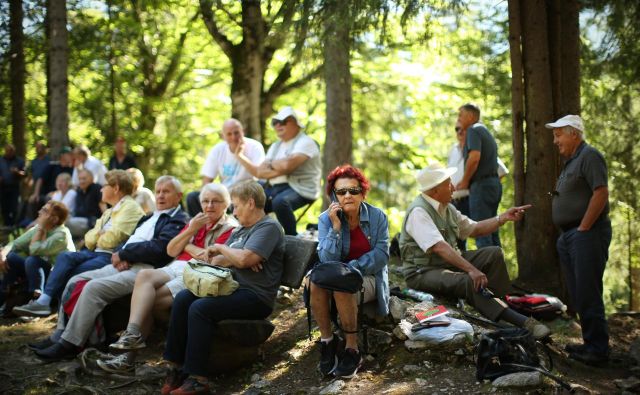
(193, 322)
(484, 198)
(33, 268)
(68, 264)
(283, 200)
(462, 205)
(583, 257)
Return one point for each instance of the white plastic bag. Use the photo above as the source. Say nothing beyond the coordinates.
(438, 334)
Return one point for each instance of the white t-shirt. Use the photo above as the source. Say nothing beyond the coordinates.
(145, 231)
(96, 167)
(221, 162)
(424, 231)
(69, 199)
(457, 160)
(297, 145)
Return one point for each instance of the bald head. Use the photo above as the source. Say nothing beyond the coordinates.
(232, 132)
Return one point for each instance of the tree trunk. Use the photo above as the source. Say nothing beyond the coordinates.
(113, 60)
(58, 51)
(337, 74)
(16, 75)
(537, 257)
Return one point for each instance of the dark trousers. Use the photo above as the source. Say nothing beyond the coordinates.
(33, 268)
(9, 198)
(193, 321)
(452, 281)
(583, 256)
(283, 200)
(484, 198)
(193, 203)
(68, 264)
(462, 205)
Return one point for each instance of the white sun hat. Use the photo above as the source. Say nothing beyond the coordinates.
(433, 175)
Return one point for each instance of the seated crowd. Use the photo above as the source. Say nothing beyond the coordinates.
(138, 242)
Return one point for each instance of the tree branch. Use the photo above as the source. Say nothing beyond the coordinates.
(207, 16)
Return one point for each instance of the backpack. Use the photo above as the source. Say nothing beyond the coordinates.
(511, 350)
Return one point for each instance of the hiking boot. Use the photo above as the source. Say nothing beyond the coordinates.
(349, 364)
(117, 364)
(574, 347)
(191, 386)
(328, 355)
(173, 380)
(32, 309)
(537, 329)
(129, 341)
(589, 358)
(41, 345)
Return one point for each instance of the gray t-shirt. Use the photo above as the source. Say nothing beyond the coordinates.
(265, 238)
(585, 171)
(480, 139)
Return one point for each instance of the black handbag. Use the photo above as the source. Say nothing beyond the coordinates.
(336, 276)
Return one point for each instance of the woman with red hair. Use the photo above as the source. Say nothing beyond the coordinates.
(356, 233)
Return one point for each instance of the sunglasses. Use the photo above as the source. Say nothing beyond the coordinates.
(276, 122)
(352, 191)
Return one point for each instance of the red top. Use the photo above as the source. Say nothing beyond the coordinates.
(359, 244)
(198, 240)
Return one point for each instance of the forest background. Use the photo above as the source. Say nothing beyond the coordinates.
(155, 72)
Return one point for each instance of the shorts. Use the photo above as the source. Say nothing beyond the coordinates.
(369, 285)
(174, 270)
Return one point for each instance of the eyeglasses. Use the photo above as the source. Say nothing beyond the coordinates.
(353, 191)
(212, 202)
(458, 128)
(276, 122)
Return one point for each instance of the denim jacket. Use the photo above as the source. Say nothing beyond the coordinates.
(334, 246)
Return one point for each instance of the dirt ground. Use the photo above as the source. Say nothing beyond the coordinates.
(289, 360)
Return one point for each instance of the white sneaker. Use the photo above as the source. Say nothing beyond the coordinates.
(118, 364)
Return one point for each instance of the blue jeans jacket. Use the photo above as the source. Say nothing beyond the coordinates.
(334, 246)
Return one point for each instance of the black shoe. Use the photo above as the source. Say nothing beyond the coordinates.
(349, 364)
(574, 347)
(57, 352)
(41, 345)
(328, 355)
(589, 357)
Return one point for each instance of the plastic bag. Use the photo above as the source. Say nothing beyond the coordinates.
(438, 334)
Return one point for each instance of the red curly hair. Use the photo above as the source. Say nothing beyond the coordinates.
(347, 171)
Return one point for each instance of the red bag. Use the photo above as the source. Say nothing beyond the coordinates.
(539, 306)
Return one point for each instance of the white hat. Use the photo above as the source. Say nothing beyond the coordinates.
(285, 113)
(568, 120)
(433, 175)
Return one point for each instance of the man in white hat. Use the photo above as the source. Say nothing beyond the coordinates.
(580, 209)
(432, 262)
(292, 169)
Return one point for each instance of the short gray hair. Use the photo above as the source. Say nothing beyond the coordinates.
(218, 189)
(568, 129)
(174, 181)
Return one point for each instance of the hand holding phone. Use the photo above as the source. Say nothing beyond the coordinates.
(335, 212)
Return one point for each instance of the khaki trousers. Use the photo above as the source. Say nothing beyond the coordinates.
(456, 283)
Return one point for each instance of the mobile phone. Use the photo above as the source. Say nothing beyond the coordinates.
(334, 199)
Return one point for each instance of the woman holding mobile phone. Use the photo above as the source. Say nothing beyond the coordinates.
(356, 233)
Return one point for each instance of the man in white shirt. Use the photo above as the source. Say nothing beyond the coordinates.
(84, 160)
(292, 169)
(222, 162)
(432, 262)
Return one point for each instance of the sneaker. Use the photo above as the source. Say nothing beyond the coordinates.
(328, 355)
(191, 386)
(129, 341)
(349, 364)
(172, 381)
(117, 364)
(33, 309)
(537, 329)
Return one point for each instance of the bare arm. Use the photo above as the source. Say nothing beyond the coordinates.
(181, 241)
(489, 225)
(226, 256)
(470, 169)
(206, 180)
(597, 203)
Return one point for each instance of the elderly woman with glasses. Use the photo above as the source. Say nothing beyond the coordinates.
(356, 233)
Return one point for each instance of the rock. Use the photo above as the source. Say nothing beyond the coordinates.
(69, 368)
(397, 307)
(410, 313)
(255, 377)
(421, 382)
(520, 379)
(629, 384)
(634, 350)
(459, 352)
(399, 333)
(411, 368)
(378, 340)
(427, 364)
(262, 383)
(579, 389)
(333, 388)
(415, 345)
